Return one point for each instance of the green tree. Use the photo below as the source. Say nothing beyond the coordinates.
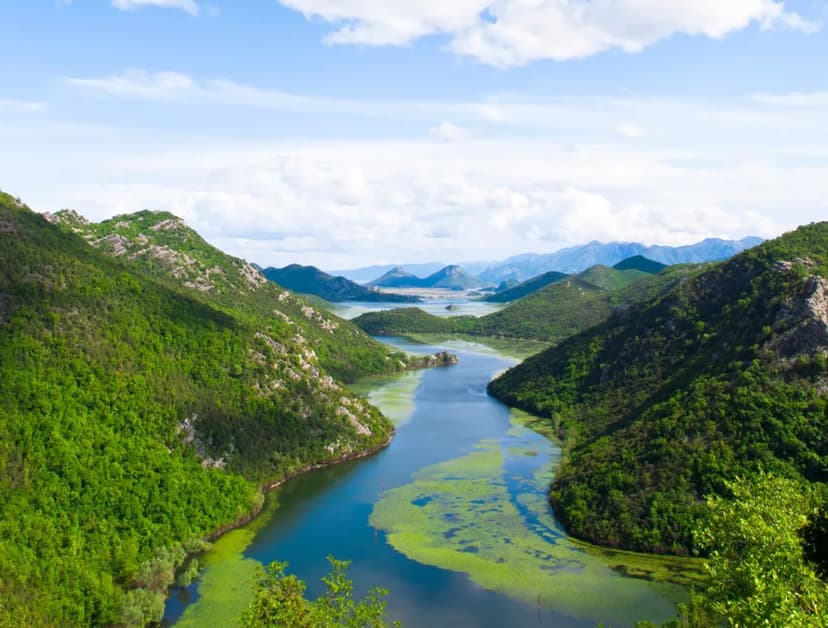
(280, 602)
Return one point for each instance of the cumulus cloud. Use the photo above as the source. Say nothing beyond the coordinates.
(448, 132)
(190, 6)
(507, 33)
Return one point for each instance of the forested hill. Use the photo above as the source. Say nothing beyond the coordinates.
(311, 280)
(553, 313)
(664, 402)
(135, 416)
(161, 246)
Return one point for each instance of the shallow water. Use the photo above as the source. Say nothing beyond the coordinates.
(451, 518)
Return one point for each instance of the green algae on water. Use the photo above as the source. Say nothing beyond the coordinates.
(226, 582)
(392, 394)
(473, 515)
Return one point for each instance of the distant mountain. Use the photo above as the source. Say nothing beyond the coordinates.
(520, 290)
(311, 280)
(721, 376)
(367, 274)
(452, 278)
(449, 278)
(639, 262)
(397, 277)
(578, 258)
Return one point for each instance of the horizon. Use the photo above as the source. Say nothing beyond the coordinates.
(331, 135)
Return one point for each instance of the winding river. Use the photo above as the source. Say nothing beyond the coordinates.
(451, 518)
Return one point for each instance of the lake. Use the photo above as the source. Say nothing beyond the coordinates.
(451, 518)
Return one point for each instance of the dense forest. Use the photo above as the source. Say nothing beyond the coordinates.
(147, 390)
(661, 405)
(552, 313)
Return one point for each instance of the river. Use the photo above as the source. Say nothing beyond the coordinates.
(451, 518)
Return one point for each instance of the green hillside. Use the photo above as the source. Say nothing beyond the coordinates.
(136, 416)
(665, 402)
(551, 314)
(527, 287)
(162, 246)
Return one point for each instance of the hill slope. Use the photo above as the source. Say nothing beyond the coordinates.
(639, 262)
(311, 280)
(669, 398)
(397, 277)
(527, 287)
(448, 278)
(160, 245)
(138, 414)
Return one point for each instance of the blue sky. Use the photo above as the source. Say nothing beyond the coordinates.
(350, 132)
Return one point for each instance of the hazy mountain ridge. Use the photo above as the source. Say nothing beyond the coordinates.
(723, 374)
(579, 258)
(311, 280)
(451, 277)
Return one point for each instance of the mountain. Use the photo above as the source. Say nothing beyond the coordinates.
(448, 278)
(578, 258)
(520, 290)
(671, 397)
(311, 280)
(553, 313)
(366, 274)
(149, 386)
(397, 277)
(639, 262)
(451, 278)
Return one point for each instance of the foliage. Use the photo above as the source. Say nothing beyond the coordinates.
(137, 413)
(669, 398)
(758, 574)
(280, 601)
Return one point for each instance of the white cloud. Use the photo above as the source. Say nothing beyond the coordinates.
(631, 131)
(507, 33)
(793, 99)
(190, 6)
(22, 106)
(448, 132)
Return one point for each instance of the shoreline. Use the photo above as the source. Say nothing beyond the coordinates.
(267, 487)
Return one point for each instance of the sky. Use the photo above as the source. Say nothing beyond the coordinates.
(343, 133)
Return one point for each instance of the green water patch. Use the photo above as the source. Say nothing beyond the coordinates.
(392, 394)
(516, 348)
(226, 581)
(486, 514)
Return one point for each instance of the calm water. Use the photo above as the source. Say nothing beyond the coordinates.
(327, 511)
(459, 306)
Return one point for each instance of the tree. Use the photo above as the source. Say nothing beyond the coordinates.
(280, 602)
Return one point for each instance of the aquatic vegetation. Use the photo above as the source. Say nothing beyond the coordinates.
(478, 515)
(392, 394)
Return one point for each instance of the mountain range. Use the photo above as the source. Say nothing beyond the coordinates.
(570, 260)
(447, 278)
(311, 280)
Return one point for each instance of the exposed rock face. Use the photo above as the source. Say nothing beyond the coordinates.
(804, 322)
